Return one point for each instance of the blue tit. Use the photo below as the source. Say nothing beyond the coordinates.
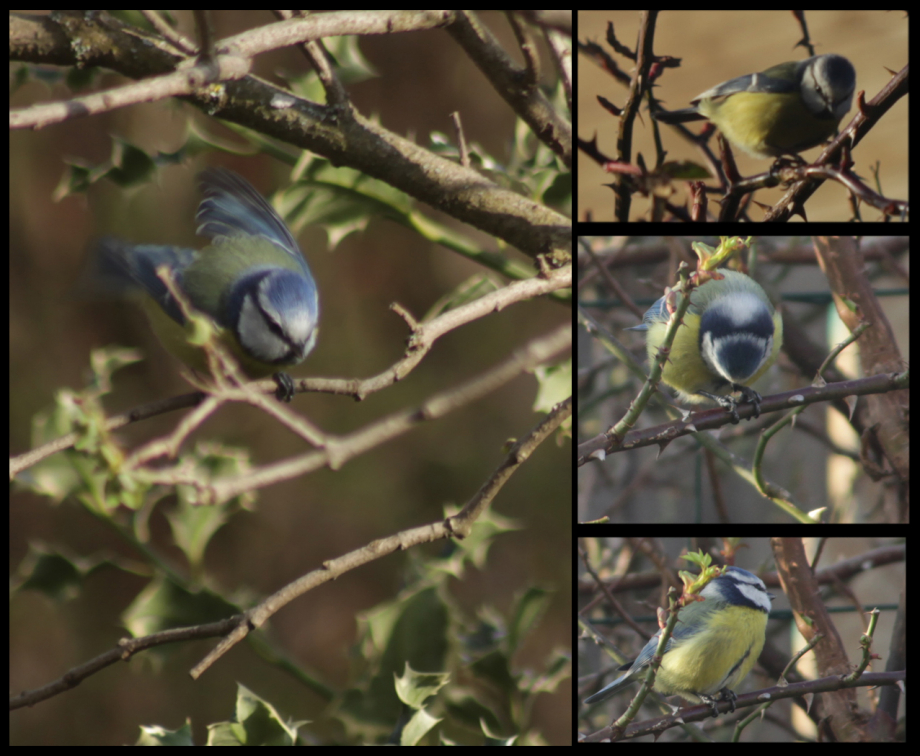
(252, 280)
(715, 644)
(730, 335)
(781, 111)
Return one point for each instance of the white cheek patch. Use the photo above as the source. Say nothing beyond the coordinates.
(256, 336)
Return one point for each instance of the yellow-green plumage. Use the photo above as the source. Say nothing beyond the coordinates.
(719, 658)
(768, 125)
(715, 643)
(251, 281)
(686, 371)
